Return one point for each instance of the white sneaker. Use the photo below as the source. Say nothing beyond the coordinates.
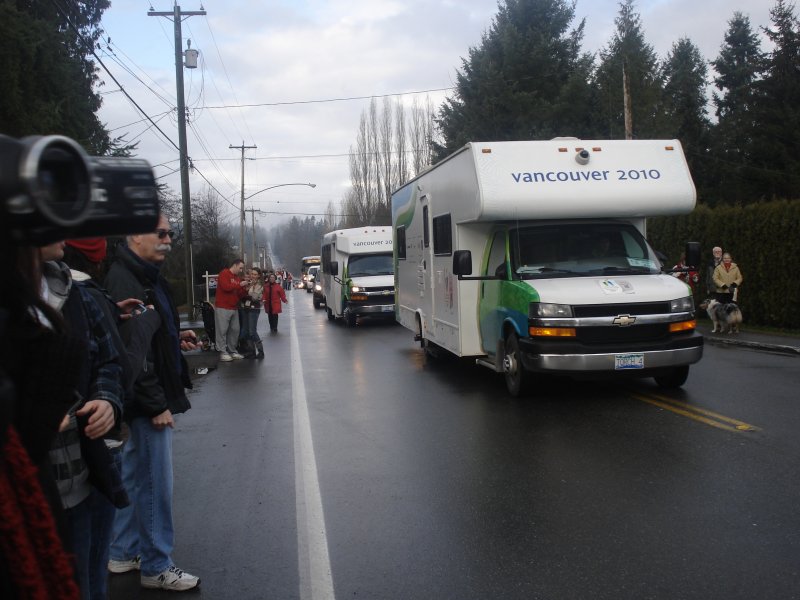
(237, 356)
(123, 566)
(171, 579)
(225, 357)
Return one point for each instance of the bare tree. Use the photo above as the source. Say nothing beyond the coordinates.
(379, 159)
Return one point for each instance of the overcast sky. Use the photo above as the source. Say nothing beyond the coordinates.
(290, 52)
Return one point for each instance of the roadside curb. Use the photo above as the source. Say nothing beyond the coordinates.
(782, 349)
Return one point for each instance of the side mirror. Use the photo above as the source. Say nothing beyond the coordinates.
(462, 262)
(693, 254)
(335, 268)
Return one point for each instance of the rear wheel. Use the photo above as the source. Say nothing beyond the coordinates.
(517, 378)
(674, 378)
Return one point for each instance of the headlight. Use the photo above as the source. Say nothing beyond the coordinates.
(682, 305)
(541, 310)
(318, 287)
(355, 288)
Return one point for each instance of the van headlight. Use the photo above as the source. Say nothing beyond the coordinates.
(681, 305)
(542, 310)
(355, 288)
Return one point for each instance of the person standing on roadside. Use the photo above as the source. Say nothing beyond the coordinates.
(143, 533)
(81, 462)
(252, 309)
(713, 264)
(273, 296)
(230, 289)
(727, 279)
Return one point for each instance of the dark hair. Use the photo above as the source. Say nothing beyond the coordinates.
(236, 261)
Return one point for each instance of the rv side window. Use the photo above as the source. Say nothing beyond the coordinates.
(401, 242)
(442, 235)
(326, 258)
(426, 235)
(497, 256)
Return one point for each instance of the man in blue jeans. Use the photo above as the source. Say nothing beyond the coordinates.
(143, 535)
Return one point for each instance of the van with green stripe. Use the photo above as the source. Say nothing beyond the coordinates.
(531, 257)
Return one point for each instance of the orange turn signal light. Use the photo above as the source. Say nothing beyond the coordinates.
(552, 331)
(682, 326)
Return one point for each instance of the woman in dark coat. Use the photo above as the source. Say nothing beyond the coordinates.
(273, 296)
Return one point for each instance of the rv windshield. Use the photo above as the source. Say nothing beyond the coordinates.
(580, 249)
(362, 265)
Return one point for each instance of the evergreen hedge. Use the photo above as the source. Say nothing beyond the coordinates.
(763, 239)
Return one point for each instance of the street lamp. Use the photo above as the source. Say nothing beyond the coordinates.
(241, 220)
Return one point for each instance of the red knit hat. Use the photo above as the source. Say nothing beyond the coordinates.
(92, 248)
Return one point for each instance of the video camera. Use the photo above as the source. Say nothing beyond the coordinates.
(51, 190)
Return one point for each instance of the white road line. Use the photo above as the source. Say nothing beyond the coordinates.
(316, 582)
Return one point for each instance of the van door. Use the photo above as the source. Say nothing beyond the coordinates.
(490, 312)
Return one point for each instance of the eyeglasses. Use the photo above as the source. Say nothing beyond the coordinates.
(162, 233)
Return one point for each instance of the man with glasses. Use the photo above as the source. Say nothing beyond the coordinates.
(143, 535)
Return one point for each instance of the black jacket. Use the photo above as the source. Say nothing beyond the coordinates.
(161, 382)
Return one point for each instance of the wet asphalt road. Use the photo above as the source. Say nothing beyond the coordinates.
(430, 482)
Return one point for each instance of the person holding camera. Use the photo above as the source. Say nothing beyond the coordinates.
(230, 289)
(143, 533)
(251, 306)
(32, 407)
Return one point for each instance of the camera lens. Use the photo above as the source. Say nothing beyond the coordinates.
(56, 172)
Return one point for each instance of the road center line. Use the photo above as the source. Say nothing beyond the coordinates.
(696, 413)
(314, 565)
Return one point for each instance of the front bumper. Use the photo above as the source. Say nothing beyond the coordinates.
(371, 309)
(572, 356)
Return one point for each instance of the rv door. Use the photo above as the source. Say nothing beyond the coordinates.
(490, 310)
(426, 270)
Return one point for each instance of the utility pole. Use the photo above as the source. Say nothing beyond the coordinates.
(241, 214)
(177, 15)
(253, 212)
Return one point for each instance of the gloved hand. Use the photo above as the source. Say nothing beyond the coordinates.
(733, 286)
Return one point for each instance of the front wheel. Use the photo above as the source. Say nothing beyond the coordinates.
(317, 303)
(517, 378)
(674, 378)
(330, 314)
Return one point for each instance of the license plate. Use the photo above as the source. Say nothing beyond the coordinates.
(628, 361)
(388, 308)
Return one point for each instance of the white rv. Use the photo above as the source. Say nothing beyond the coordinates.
(531, 257)
(357, 273)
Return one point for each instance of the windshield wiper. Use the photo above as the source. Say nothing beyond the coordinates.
(542, 270)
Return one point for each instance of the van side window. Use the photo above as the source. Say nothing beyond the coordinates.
(442, 235)
(426, 234)
(497, 256)
(401, 242)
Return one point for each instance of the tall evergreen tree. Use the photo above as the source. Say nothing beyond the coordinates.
(685, 83)
(526, 80)
(738, 68)
(48, 75)
(777, 147)
(628, 50)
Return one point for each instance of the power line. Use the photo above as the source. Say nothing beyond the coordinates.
(331, 99)
(110, 74)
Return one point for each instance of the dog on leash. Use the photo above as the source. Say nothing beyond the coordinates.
(726, 318)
